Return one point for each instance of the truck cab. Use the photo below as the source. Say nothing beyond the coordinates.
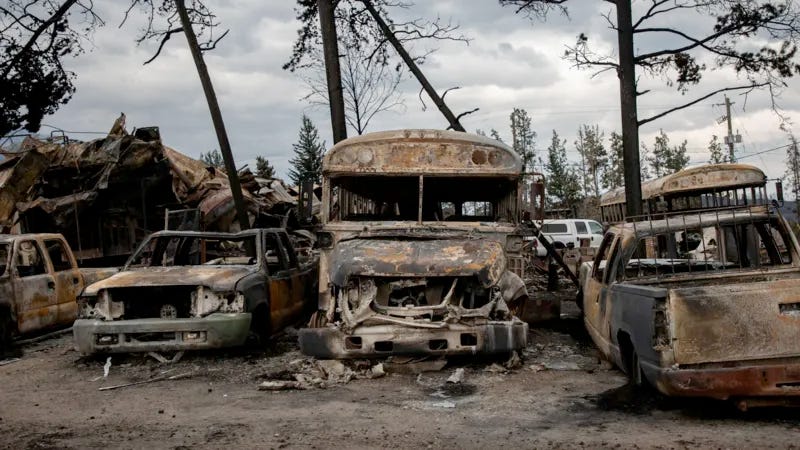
(700, 304)
(39, 283)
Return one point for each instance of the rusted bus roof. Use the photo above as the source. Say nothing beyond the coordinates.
(679, 222)
(422, 152)
(699, 178)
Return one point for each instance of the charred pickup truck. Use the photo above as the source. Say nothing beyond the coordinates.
(700, 304)
(187, 290)
(419, 229)
(39, 284)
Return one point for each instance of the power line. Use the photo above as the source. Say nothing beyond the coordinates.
(748, 155)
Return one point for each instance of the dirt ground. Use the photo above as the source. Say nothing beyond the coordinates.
(559, 397)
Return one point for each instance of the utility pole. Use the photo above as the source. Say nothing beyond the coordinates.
(630, 121)
(330, 50)
(729, 138)
(216, 116)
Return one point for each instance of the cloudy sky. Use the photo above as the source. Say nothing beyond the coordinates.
(510, 62)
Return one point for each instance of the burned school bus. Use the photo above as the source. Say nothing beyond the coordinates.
(418, 228)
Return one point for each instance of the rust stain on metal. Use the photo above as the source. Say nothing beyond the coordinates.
(414, 151)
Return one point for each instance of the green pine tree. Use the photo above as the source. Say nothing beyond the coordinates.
(665, 160)
(614, 175)
(307, 162)
(593, 157)
(213, 159)
(263, 168)
(523, 137)
(715, 148)
(563, 185)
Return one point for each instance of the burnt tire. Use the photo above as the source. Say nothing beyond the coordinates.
(260, 327)
(7, 348)
(636, 376)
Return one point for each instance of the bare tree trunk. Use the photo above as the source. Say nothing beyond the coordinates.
(437, 100)
(630, 125)
(330, 49)
(216, 116)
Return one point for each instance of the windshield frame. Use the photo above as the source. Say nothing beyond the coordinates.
(510, 197)
(145, 247)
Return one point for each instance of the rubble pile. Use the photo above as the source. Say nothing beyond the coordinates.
(320, 374)
(107, 194)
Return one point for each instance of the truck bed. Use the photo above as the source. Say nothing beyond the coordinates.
(733, 317)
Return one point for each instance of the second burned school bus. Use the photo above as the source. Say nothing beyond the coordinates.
(696, 188)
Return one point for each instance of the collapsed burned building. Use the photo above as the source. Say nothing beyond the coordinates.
(107, 194)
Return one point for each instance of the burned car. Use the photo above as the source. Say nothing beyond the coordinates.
(197, 290)
(39, 284)
(702, 303)
(419, 231)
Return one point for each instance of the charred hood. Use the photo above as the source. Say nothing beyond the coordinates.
(418, 258)
(221, 279)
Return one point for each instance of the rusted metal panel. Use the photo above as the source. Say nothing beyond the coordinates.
(757, 379)
(221, 278)
(381, 257)
(17, 176)
(422, 151)
(735, 320)
(382, 340)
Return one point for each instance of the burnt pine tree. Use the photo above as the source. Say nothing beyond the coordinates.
(263, 168)
(307, 162)
(366, 27)
(677, 42)
(39, 35)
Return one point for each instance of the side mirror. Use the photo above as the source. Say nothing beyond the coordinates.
(779, 191)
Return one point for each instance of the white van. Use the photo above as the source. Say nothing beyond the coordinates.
(561, 232)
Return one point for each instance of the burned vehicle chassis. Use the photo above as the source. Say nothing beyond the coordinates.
(222, 287)
(381, 316)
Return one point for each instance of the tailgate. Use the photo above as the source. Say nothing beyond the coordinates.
(735, 321)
